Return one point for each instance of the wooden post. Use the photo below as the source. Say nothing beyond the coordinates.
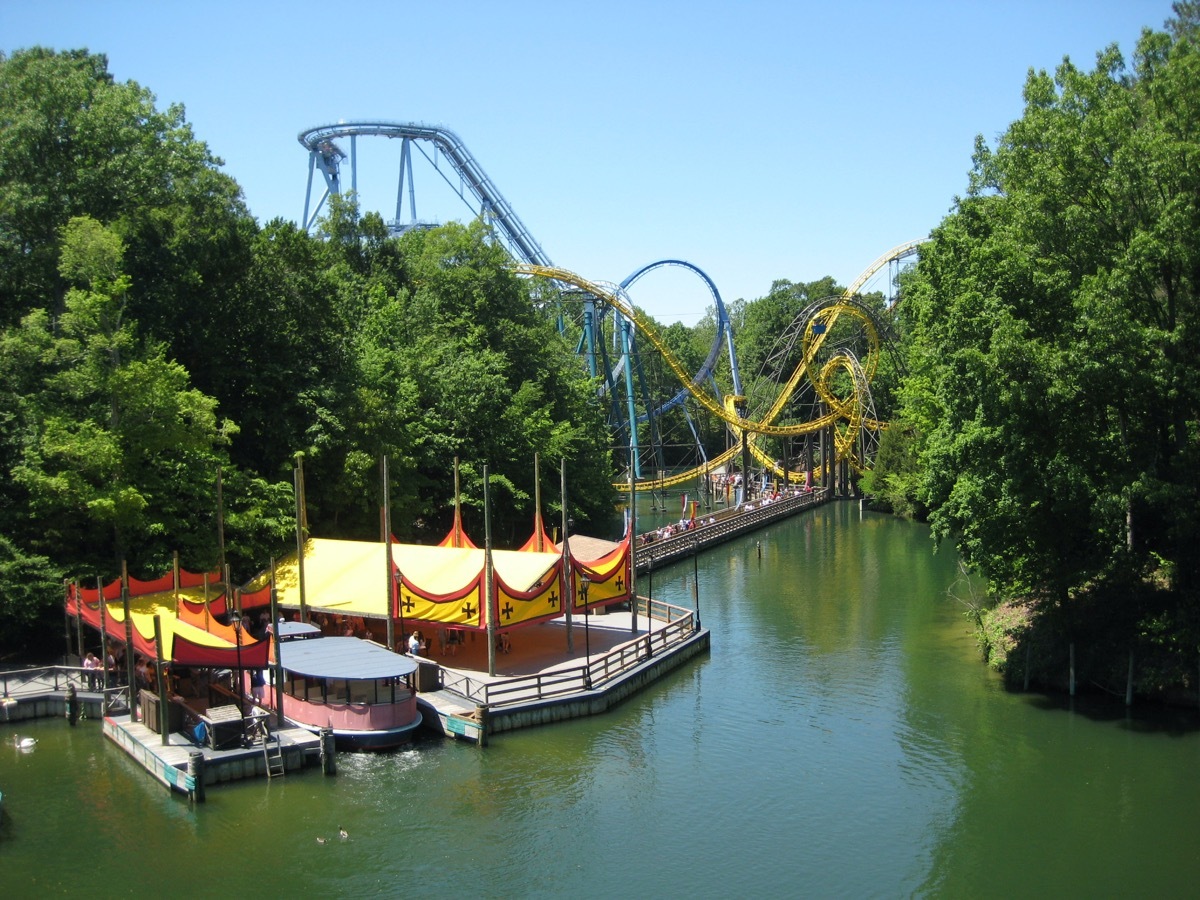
(695, 579)
(220, 521)
(298, 481)
(175, 580)
(328, 752)
(195, 768)
(72, 705)
(277, 668)
(67, 627)
(387, 537)
(537, 503)
(808, 460)
(489, 575)
(568, 569)
(233, 598)
(79, 622)
(130, 672)
(1072, 682)
(1129, 682)
(164, 719)
(103, 648)
(633, 533)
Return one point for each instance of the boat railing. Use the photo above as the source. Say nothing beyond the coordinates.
(679, 625)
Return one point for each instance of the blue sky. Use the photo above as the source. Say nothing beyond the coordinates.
(758, 140)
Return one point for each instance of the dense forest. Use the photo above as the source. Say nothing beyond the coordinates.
(1049, 425)
(1042, 393)
(153, 336)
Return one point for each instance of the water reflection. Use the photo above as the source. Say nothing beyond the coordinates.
(841, 739)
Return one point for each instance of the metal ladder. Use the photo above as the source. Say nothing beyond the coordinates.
(273, 754)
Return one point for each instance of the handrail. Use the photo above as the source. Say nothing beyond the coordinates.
(681, 625)
(727, 522)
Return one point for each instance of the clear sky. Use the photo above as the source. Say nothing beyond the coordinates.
(756, 139)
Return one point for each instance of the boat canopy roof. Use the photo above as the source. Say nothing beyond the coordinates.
(343, 657)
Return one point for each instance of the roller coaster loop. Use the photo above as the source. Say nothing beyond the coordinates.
(851, 415)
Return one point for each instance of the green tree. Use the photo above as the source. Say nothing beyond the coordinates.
(118, 451)
(1053, 321)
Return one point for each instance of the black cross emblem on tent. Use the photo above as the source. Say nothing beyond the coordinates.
(468, 610)
(508, 610)
(620, 583)
(408, 603)
(553, 599)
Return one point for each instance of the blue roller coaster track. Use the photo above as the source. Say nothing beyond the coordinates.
(608, 336)
(454, 163)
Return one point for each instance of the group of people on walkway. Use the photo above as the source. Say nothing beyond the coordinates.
(100, 673)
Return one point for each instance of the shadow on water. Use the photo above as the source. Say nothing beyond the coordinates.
(1143, 718)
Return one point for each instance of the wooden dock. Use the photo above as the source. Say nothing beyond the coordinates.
(174, 763)
(548, 677)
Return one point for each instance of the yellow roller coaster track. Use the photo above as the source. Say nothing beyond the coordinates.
(748, 429)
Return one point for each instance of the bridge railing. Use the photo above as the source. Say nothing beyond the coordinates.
(680, 624)
(726, 524)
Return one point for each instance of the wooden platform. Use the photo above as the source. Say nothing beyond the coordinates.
(542, 679)
(168, 763)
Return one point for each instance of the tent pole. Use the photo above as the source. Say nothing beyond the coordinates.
(537, 504)
(387, 537)
(277, 669)
(489, 575)
(131, 681)
(163, 728)
(298, 477)
(568, 571)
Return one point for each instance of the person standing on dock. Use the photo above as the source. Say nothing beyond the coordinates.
(90, 667)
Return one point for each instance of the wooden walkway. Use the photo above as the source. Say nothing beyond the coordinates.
(726, 524)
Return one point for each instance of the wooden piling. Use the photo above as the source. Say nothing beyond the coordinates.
(328, 752)
(72, 702)
(1129, 682)
(195, 768)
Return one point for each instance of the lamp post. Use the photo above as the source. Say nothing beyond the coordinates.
(584, 584)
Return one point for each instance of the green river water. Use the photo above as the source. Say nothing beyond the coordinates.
(842, 739)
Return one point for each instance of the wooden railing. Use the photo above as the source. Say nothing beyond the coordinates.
(726, 524)
(14, 682)
(680, 625)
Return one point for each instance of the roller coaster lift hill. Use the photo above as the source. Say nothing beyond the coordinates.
(815, 382)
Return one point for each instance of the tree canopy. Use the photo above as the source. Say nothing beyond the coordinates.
(1054, 322)
(153, 336)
